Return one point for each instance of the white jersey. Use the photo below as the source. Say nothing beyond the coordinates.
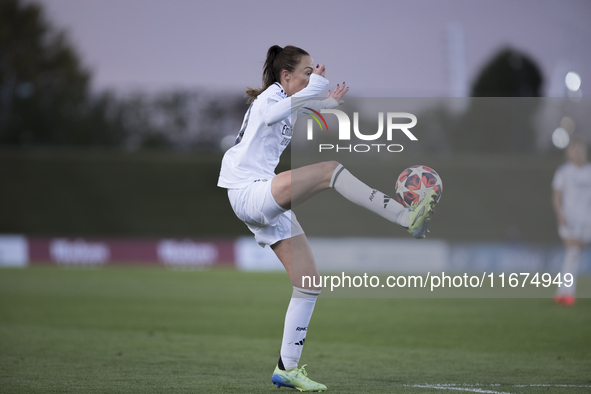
(575, 184)
(266, 132)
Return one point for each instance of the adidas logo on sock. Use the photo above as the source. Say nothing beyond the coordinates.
(301, 343)
(386, 200)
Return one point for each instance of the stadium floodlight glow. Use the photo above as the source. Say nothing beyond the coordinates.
(572, 81)
(560, 138)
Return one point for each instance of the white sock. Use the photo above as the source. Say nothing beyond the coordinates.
(572, 259)
(358, 192)
(297, 319)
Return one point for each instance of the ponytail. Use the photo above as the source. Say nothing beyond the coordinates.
(278, 59)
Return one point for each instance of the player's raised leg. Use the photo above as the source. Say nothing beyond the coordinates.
(294, 187)
(297, 258)
(291, 188)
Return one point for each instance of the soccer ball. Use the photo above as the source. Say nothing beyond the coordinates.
(414, 183)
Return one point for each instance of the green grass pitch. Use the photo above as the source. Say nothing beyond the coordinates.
(148, 330)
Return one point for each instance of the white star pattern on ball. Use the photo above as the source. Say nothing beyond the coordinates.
(418, 189)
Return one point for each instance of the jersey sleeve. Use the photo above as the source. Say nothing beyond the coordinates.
(317, 105)
(275, 109)
(558, 182)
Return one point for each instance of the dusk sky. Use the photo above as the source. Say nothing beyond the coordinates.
(379, 48)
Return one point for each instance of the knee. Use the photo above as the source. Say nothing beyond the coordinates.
(329, 167)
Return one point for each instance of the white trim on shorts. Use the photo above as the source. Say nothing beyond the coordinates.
(256, 207)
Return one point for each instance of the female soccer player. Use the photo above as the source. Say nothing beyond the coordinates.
(264, 200)
(572, 204)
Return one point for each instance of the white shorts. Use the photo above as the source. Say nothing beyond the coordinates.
(579, 232)
(256, 207)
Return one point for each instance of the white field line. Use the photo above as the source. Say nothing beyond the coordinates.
(474, 387)
(551, 385)
(472, 390)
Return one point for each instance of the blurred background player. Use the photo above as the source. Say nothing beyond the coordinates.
(572, 204)
(263, 200)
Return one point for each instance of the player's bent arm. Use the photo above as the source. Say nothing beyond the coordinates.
(276, 110)
(317, 105)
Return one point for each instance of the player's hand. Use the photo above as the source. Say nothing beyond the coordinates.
(339, 92)
(320, 70)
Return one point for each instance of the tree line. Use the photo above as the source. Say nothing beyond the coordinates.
(46, 100)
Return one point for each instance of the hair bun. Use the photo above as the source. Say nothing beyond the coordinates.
(276, 49)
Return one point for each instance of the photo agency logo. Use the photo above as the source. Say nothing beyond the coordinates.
(393, 126)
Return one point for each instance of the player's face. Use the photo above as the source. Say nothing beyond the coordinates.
(577, 153)
(299, 78)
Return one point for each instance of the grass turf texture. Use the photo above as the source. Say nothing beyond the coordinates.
(138, 330)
